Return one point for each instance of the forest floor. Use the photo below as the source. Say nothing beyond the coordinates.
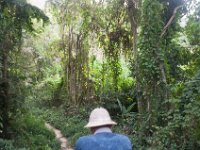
(59, 136)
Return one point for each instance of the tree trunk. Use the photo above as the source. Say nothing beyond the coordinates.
(4, 90)
(142, 104)
(132, 11)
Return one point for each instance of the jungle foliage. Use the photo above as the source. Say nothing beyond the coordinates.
(139, 59)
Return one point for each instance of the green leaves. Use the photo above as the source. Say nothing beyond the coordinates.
(18, 15)
(123, 109)
(193, 26)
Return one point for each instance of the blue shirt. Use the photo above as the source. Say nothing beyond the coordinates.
(104, 141)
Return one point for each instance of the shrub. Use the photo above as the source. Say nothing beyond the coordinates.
(6, 145)
(70, 125)
(31, 133)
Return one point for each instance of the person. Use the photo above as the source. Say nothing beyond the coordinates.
(102, 138)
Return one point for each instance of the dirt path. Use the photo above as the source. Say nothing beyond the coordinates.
(59, 137)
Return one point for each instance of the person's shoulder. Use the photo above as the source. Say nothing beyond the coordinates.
(84, 138)
(81, 142)
(122, 137)
(125, 140)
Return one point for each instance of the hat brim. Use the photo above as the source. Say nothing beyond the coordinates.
(97, 124)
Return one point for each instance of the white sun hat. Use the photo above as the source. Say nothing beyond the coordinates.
(99, 117)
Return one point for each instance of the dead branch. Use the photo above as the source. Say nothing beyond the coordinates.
(170, 20)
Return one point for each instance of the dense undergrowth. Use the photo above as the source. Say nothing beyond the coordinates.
(30, 133)
(71, 126)
(72, 119)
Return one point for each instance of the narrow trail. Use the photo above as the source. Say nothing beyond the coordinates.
(59, 136)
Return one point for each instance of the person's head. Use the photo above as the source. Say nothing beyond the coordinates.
(99, 117)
